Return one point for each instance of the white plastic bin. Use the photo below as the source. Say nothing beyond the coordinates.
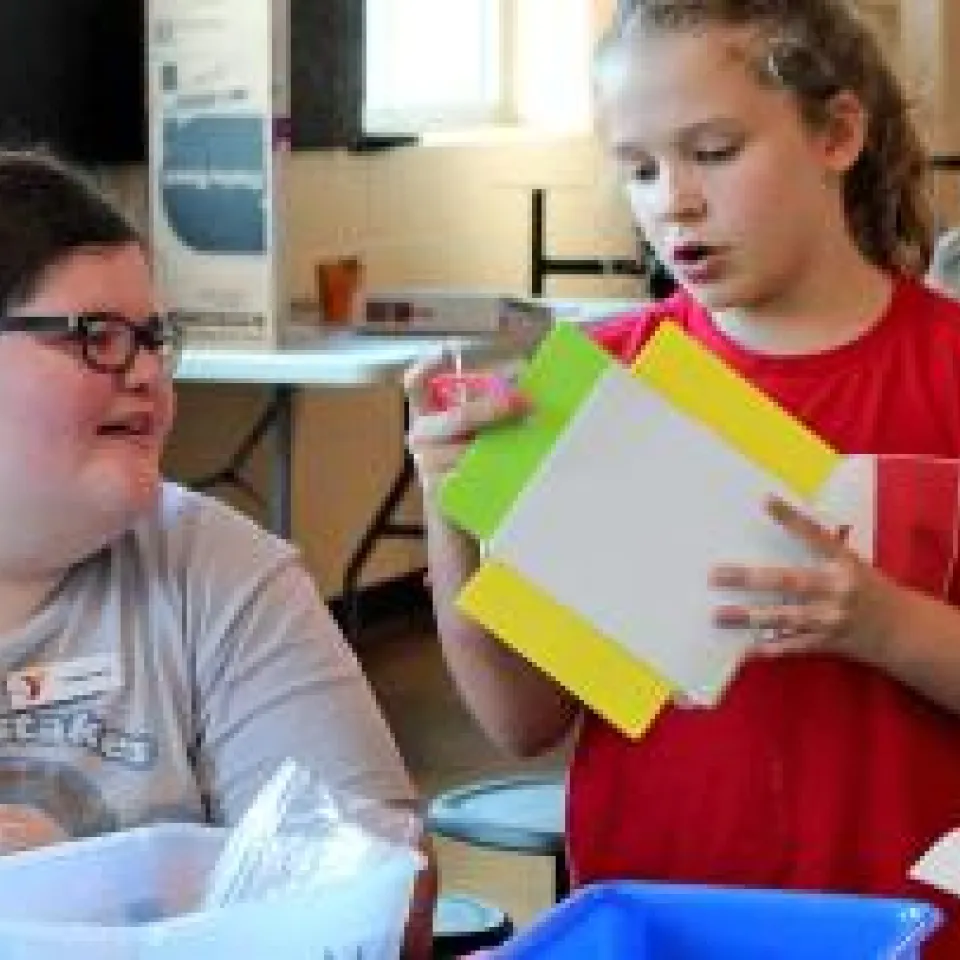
(123, 896)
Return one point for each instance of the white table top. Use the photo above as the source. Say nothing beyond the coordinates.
(342, 358)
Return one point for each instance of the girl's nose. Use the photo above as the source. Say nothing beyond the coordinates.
(146, 372)
(676, 197)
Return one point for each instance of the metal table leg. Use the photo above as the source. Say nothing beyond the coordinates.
(277, 416)
(561, 877)
(281, 481)
(380, 526)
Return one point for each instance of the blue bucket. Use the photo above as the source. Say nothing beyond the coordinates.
(643, 921)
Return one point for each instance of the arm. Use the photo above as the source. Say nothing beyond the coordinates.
(275, 679)
(517, 706)
(921, 647)
(418, 939)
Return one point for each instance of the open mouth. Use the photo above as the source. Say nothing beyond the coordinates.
(698, 262)
(692, 254)
(136, 425)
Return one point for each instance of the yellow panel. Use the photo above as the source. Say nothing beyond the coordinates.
(610, 681)
(700, 385)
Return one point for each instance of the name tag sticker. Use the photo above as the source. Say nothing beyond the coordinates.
(63, 680)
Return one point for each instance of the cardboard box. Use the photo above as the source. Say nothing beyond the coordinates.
(219, 132)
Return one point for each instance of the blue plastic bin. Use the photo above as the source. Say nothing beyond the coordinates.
(641, 921)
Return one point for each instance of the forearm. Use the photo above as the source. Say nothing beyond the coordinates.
(922, 648)
(518, 707)
(418, 937)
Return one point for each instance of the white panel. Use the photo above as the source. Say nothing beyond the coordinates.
(625, 520)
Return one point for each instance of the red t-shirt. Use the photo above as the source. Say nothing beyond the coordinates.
(814, 772)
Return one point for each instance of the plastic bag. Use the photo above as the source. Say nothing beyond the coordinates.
(298, 841)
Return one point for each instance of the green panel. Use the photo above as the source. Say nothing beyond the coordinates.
(497, 466)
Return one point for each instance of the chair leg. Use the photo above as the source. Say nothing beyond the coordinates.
(464, 924)
(561, 877)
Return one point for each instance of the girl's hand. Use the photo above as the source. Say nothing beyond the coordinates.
(25, 828)
(444, 422)
(840, 604)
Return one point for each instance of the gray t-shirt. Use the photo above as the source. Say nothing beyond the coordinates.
(227, 663)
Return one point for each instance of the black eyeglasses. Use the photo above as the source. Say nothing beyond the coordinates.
(109, 342)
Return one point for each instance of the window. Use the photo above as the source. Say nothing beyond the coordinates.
(430, 63)
(445, 65)
(553, 52)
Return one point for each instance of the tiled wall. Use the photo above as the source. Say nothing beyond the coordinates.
(450, 215)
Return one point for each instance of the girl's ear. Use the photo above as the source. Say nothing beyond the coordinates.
(844, 132)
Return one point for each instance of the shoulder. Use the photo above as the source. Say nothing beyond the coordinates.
(928, 313)
(191, 533)
(624, 335)
(221, 574)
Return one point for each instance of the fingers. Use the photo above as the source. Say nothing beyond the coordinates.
(436, 460)
(807, 608)
(417, 376)
(810, 603)
(800, 582)
(440, 429)
(461, 421)
(783, 644)
(781, 620)
(824, 541)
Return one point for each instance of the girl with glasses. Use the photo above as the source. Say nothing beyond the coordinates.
(160, 654)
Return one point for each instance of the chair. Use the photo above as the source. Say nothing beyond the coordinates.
(522, 813)
(463, 924)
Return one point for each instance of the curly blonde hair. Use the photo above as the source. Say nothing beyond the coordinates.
(817, 48)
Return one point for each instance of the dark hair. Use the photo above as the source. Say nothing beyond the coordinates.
(817, 48)
(49, 210)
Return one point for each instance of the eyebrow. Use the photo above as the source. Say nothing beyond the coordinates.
(712, 125)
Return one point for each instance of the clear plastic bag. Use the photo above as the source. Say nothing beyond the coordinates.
(353, 859)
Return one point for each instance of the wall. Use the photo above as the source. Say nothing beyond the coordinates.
(453, 216)
(930, 36)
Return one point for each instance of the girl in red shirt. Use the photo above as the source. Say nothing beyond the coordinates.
(770, 159)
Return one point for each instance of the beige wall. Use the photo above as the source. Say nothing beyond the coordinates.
(930, 41)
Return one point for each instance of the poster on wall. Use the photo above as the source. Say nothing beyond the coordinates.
(219, 123)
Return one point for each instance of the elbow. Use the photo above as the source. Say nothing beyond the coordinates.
(524, 742)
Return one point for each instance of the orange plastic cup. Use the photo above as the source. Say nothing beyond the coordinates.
(338, 286)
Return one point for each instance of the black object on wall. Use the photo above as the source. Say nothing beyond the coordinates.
(659, 280)
(73, 78)
(326, 72)
(327, 69)
(542, 265)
